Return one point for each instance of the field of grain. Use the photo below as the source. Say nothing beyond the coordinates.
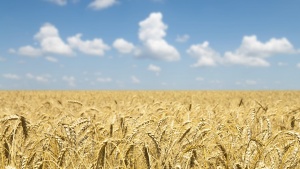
(149, 129)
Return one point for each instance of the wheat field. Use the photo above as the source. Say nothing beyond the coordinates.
(149, 129)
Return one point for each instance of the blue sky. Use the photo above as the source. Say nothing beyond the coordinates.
(149, 44)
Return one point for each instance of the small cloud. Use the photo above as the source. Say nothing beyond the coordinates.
(282, 64)
(298, 65)
(70, 80)
(11, 76)
(204, 54)
(102, 4)
(104, 80)
(51, 59)
(30, 76)
(199, 79)
(251, 82)
(123, 46)
(182, 38)
(12, 51)
(154, 68)
(59, 2)
(90, 47)
(29, 51)
(164, 83)
(135, 80)
(39, 78)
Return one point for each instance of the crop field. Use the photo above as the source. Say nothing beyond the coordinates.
(149, 129)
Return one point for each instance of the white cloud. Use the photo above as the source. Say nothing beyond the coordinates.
(239, 59)
(93, 47)
(298, 65)
(42, 79)
(51, 42)
(154, 68)
(251, 52)
(59, 2)
(39, 78)
(250, 82)
(135, 80)
(123, 46)
(11, 76)
(12, 51)
(70, 80)
(282, 64)
(252, 46)
(101, 4)
(199, 79)
(104, 80)
(204, 54)
(152, 32)
(30, 76)
(182, 38)
(29, 51)
(51, 59)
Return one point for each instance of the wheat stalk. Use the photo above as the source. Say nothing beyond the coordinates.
(101, 156)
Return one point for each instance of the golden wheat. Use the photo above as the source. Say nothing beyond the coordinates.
(149, 129)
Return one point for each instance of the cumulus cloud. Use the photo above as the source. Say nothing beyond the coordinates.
(102, 4)
(182, 38)
(104, 80)
(154, 68)
(239, 59)
(91, 47)
(152, 32)
(29, 51)
(70, 80)
(11, 76)
(135, 80)
(251, 52)
(51, 59)
(204, 54)
(252, 46)
(50, 40)
(123, 46)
